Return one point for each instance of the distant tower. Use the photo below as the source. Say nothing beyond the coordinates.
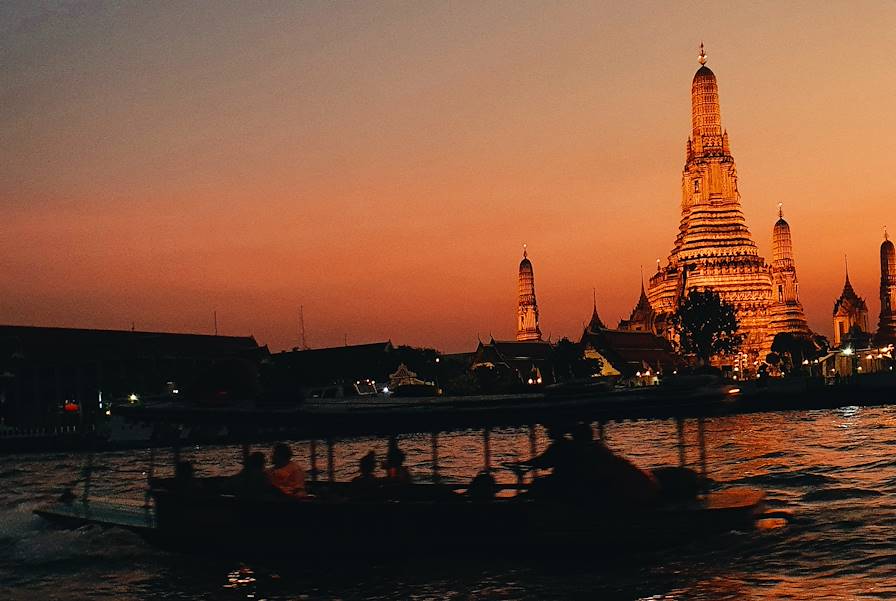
(850, 311)
(527, 325)
(786, 312)
(886, 327)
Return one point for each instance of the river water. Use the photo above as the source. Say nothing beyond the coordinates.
(834, 470)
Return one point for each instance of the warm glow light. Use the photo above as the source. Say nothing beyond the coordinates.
(384, 180)
(848, 351)
(133, 397)
(734, 391)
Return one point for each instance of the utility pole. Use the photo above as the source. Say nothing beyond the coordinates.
(302, 327)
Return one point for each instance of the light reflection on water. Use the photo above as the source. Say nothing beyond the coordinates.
(834, 470)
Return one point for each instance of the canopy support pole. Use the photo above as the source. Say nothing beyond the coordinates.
(701, 435)
(331, 470)
(435, 457)
(680, 427)
(245, 454)
(487, 448)
(150, 474)
(533, 445)
(312, 453)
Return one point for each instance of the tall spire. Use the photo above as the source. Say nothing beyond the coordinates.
(886, 326)
(595, 323)
(780, 210)
(527, 314)
(705, 113)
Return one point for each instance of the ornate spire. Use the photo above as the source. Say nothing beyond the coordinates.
(702, 58)
(780, 210)
(595, 323)
(527, 315)
(886, 235)
(705, 113)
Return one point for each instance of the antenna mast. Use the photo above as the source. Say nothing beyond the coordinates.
(302, 327)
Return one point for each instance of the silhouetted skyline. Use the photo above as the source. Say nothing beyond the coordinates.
(382, 164)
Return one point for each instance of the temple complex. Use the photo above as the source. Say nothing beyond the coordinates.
(527, 324)
(886, 326)
(850, 314)
(714, 248)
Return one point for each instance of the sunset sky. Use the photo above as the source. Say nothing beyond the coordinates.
(382, 163)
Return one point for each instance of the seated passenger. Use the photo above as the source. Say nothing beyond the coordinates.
(252, 479)
(285, 475)
(483, 487)
(184, 482)
(366, 484)
(366, 467)
(396, 472)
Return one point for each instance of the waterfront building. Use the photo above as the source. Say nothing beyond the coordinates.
(64, 376)
(527, 324)
(886, 325)
(504, 365)
(639, 357)
(714, 248)
(850, 316)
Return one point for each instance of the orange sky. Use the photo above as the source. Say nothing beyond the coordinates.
(382, 163)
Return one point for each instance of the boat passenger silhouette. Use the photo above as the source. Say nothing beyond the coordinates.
(396, 471)
(252, 480)
(286, 475)
(184, 480)
(560, 457)
(366, 485)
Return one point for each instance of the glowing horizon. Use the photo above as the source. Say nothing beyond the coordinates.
(382, 165)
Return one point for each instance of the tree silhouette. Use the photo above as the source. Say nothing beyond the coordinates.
(570, 361)
(707, 325)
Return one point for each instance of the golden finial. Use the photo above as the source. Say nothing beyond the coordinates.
(525, 253)
(702, 58)
(886, 235)
(780, 210)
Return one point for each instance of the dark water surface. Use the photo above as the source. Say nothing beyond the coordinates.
(835, 470)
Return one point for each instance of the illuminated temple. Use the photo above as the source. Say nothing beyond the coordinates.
(714, 248)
